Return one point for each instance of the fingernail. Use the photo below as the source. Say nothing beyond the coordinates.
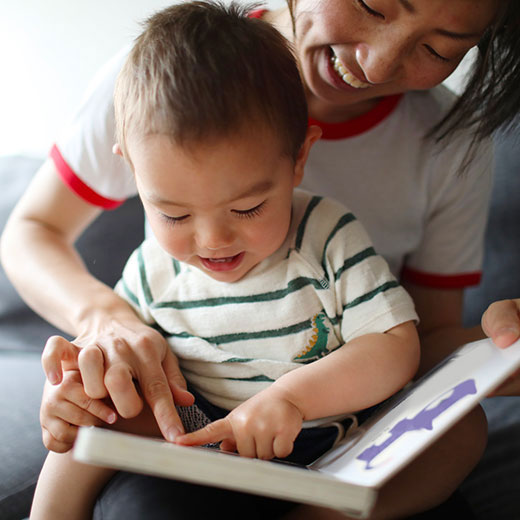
(111, 419)
(508, 332)
(53, 378)
(172, 434)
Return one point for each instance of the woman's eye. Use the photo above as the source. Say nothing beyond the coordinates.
(173, 220)
(435, 54)
(369, 10)
(250, 213)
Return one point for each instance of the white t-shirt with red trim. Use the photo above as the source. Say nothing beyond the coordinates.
(425, 218)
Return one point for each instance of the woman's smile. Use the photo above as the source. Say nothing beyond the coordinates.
(344, 73)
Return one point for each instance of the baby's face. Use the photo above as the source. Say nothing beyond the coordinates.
(222, 206)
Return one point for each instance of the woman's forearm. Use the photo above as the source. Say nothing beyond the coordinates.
(51, 278)
(38, 255)
(437, 344)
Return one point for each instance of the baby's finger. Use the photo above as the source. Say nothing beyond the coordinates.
(53, 445)
(213, 432)
(264, 447)
(70, 403)
(58, 435)
(86, 409)
(71, 414)
(282, 446)
(228, 445)
(92, 367)
(57, 349)
(246, 446)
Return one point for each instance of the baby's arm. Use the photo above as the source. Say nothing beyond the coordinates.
(361, 373)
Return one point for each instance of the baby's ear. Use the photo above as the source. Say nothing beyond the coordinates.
(313, 134)
(116, 150)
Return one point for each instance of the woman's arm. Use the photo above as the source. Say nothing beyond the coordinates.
(37, 251)
(440, 328)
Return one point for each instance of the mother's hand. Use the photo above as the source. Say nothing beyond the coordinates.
(120, 361)
(501, 322)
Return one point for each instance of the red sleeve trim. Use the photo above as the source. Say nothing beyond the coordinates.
(441, 281)
(70, 178)
(361, 124)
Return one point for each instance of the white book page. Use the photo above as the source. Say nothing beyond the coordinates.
(420, 415)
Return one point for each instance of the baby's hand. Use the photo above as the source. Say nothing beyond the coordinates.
(265, 426)
(65, 407)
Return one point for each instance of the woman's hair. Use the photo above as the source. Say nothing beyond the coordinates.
(491, 98)
(204, 70)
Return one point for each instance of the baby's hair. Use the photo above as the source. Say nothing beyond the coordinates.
(203, 70)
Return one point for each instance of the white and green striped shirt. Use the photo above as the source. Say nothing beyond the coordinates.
(322, 288)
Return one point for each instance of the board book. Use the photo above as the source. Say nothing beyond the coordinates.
(348, 476)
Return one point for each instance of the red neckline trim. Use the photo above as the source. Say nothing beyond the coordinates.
(257, 13)
(441, 281)
(360, 124)
(70, 178)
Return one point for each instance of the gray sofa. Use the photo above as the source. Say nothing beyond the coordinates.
(491, 490)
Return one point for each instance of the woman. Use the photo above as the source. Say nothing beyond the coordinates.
(362, 63)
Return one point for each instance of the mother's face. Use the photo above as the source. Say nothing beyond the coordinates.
(351, 51)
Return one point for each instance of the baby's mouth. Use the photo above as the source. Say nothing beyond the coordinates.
(345, 74)
(226, 263)
(219, 260)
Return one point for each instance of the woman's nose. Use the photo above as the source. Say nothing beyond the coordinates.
(382, 58)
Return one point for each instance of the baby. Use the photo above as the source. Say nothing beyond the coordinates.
(284, 319)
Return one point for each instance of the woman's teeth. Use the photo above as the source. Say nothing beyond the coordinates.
(345, 75)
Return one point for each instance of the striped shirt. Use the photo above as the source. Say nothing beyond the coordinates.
(323, 287)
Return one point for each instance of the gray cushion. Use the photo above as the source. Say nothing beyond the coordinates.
(105, 246)
(21, 449)
(501, 269)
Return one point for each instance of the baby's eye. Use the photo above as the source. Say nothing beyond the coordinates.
(173, 220)
(249, 213)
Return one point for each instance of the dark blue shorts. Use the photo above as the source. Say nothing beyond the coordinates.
(310, 444)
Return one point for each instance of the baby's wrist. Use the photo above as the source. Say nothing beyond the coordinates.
(281, 392)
